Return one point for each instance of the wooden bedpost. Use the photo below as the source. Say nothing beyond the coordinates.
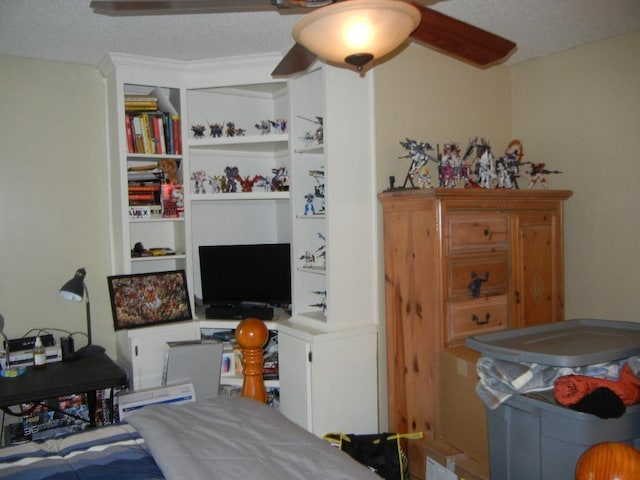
(252, 334)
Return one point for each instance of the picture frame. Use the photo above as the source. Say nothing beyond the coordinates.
(144, 299)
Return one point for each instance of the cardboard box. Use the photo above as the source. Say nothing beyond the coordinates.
(451, 463)
(129, 402)
(463, 416)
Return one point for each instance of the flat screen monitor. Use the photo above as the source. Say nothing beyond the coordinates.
(236, 274)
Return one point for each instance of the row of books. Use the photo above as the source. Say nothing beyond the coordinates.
(140, 102)
(153, 133)
(168, 197)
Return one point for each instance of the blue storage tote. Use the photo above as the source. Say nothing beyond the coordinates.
(533, 439)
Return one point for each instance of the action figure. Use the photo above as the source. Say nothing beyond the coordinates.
(233, 131)
(280, 180)
(264, 127)
(232, 175)
(200, 179)
(215, 130)
(308, 205)
(417, 151)
(538, 174)
(450, 164)
(198, 131)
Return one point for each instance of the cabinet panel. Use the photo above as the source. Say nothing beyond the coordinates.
(539, 289)
(295, 380)
(329, 381)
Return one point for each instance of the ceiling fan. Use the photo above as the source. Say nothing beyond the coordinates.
(446, 34)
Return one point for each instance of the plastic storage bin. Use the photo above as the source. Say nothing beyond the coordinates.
(531, 439)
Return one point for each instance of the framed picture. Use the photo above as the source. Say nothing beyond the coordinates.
(144, 299)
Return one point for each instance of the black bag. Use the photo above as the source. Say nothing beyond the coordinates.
(381, 452)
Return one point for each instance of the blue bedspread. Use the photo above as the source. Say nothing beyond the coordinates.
(113, 452)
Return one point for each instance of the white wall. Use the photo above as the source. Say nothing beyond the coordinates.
(53, 196)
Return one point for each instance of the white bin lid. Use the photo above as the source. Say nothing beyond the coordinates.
(570, 343)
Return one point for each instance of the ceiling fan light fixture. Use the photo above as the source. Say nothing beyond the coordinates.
(355, 32)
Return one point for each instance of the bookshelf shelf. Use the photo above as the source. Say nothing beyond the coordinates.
(223, 197)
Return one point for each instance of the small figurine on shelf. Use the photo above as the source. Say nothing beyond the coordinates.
(321, 251)
(486, 166)
(450, 166)
(218, 183)
(309, 259)
(215, 130)
(504, 176)
(323, 301)
(318, 135)
(279, 125)
(417, 151)
(200, 179)
(264, 127)
(233, 131)
(232, 175)
(280, 180)
(539, 174)
(198, 131)
(318, 190)
(309, 207)
(248, 183)
(263, 183)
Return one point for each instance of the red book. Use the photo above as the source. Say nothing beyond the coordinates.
(177, 139)
(129, 129)
(155, 125)
(139, 197)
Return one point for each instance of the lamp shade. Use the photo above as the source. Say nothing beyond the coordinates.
(356, 31)
(74, 289)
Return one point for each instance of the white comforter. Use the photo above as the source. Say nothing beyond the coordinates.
(238, 439)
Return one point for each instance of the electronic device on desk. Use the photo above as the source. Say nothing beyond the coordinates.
(21, 351)
(240, 281)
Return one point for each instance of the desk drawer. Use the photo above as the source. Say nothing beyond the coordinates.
(468, 232)
(478, 315)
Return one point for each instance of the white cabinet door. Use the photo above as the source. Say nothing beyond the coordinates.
(142, 351)
(329, 380)
(295, 379)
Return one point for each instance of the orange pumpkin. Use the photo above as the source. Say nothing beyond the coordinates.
(609, 461)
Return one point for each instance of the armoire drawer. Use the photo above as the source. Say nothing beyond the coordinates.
(478, 315)
(477, 231)
(488, 271)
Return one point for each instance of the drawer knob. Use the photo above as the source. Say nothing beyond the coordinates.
(476, 283)
(475, 319)
(487, 232)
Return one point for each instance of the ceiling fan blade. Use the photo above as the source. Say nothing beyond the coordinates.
(297, 60)
(151, 7)
(155, 7)
(459, 39)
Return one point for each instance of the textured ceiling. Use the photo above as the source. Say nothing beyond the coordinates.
(68, 30)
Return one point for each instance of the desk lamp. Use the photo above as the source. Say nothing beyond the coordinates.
(75, 290)
(7, 371)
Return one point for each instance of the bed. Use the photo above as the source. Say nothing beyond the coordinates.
(223, 438)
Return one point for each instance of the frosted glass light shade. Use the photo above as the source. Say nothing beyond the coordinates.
(356, 31)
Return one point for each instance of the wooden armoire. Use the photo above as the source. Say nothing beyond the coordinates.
(460, 262)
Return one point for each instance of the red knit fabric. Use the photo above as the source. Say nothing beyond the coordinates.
(570, 389)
